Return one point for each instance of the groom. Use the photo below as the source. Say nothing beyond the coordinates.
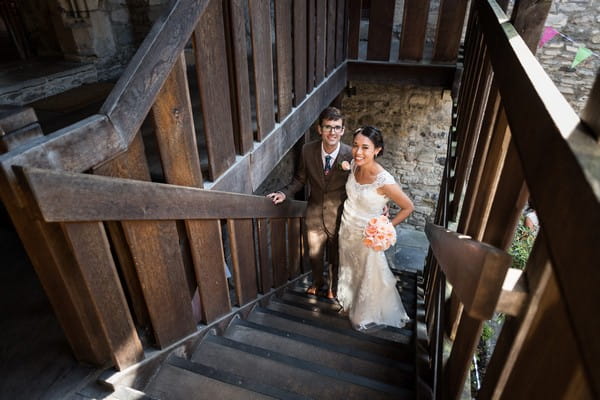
(320, 168)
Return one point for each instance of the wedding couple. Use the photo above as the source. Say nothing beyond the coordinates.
(347, 189)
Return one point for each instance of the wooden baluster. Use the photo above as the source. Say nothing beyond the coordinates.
(241, 238)
(285, 60)
(311, 45)
(414, 28)
(300, 50)
(116, 331)
(264, 256)
(381, 19)
(330, 29)
(209, 265)
(213, 84)
(278, 249)
(239, 77)
(294, 247)
(354, 14)
(340, 32)
(480, 159)
(260, 22)
(321, 41)
(449, 29)
(471, 126)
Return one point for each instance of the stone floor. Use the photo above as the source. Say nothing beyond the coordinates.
(410, 250)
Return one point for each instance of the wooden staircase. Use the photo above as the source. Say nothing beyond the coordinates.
(290, 346)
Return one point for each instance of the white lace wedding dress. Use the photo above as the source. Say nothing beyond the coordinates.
(366, 286)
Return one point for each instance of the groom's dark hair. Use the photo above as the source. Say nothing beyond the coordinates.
(330, 113)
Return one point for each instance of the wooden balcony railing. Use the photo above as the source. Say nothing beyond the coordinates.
(517, 138)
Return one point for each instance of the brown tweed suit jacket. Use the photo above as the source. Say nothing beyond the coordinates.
(327, 192)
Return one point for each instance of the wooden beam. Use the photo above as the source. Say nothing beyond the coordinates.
(247, 175)
(81, 146)
(74, 197)
(417, 74)
(130, 100)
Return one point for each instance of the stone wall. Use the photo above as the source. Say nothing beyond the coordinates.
(105, 33)
(415, 122)
(580, 21)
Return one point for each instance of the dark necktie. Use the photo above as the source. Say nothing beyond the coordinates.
(327, 164)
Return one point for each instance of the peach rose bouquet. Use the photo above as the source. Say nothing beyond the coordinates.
(379, 234)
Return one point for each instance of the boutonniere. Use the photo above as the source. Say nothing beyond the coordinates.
(344, 165)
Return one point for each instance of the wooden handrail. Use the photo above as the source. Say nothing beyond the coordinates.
(474, 269)
(73, 197)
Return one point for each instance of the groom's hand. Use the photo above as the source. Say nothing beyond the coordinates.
(277, 197)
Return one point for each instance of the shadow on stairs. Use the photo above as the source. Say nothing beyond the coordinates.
(290, 346)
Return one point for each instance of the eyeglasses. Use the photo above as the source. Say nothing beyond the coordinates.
(329, 128)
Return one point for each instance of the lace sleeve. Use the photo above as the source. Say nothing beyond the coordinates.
(385, 178)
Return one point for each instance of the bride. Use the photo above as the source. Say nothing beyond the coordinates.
(366, 286)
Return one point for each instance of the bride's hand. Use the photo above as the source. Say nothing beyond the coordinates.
(386, 211)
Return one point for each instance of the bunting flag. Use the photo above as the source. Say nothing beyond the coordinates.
(582, 54)
(549, 33)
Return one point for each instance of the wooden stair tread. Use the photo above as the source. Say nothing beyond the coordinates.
(344, 358)
(180, 379)
(337, 320)
(328, 334)
(292, 374)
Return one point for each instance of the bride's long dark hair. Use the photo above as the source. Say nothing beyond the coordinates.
(373, 134)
